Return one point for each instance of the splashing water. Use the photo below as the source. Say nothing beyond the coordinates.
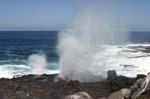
(38, 63)
(78, 46)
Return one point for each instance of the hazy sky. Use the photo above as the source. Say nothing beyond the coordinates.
(58, 14)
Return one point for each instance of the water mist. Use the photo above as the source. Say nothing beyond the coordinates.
(38, 62)
(78, 45)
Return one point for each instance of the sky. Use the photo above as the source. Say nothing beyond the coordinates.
(59, 14)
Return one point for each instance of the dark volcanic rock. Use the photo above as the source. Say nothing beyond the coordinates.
(121, 82)
(54, 95)
(139, 76)
(44, 87)
(111, 74)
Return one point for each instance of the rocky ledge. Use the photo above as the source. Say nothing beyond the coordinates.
(44, 87)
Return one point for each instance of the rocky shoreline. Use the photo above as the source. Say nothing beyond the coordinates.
(44, 87)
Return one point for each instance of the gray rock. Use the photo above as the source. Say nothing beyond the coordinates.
(79, 95)
(121, 94)
(140, 86)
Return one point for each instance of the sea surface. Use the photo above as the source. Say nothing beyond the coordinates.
(17, 46)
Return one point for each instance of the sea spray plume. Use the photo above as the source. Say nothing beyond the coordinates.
(73, 54)
(38, 62)
(77, 46)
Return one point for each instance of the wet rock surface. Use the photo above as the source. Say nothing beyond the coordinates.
(44, 87)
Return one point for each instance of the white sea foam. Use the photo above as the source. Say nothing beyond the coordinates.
(9, 71)
(123, 60)
(114, 57)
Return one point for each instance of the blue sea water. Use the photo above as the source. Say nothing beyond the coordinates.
(17, 46)
(139, 36)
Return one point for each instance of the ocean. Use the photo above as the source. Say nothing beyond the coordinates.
(17, 46)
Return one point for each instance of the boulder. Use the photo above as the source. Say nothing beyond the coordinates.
(111, 74)
(79, 95)
(121, 94)
(140, 86)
